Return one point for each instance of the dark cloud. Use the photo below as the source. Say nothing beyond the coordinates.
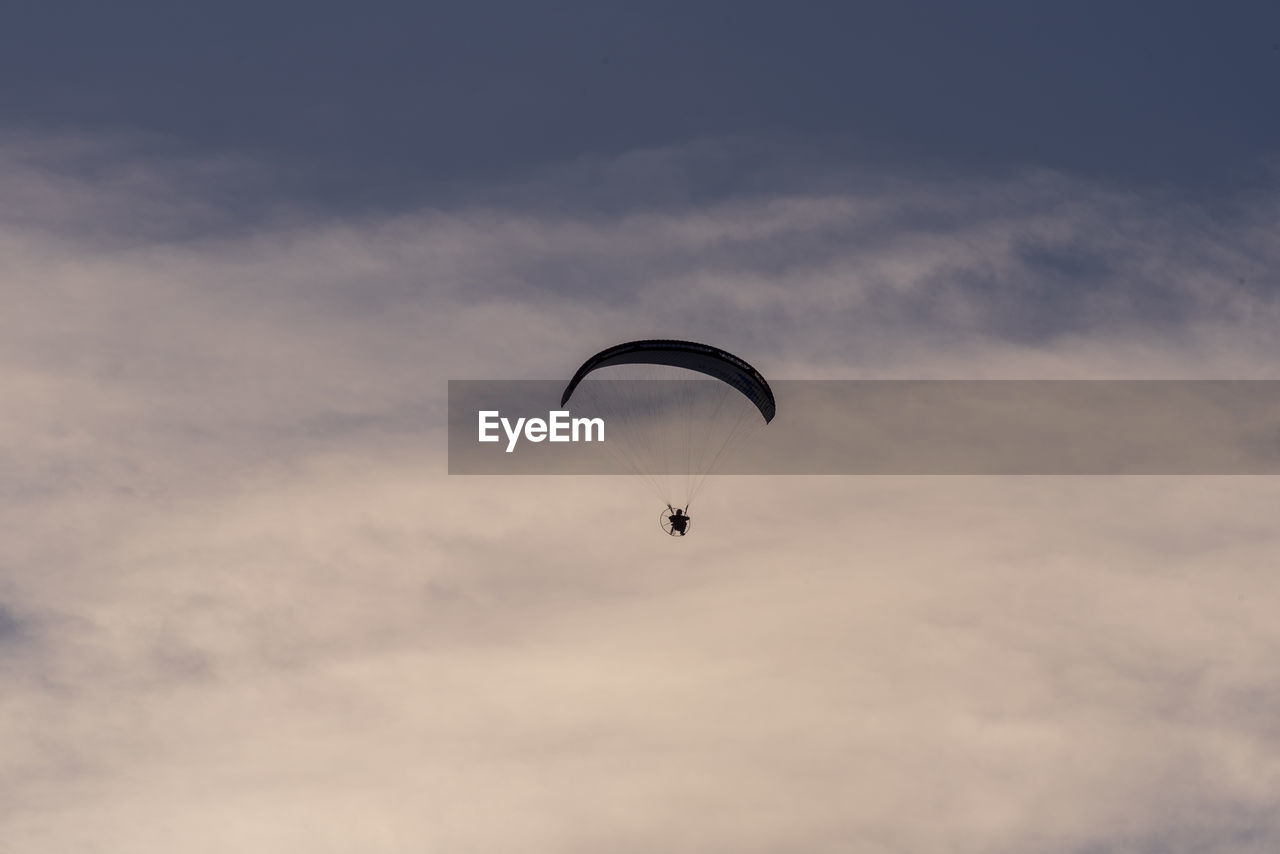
(414, 102)
(10, 627)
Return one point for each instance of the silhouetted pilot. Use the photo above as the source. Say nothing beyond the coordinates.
(679, 521)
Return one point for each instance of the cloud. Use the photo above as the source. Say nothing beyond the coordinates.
(256, 614)
(10, 627)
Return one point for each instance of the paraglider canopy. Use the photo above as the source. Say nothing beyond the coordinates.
(690, 355)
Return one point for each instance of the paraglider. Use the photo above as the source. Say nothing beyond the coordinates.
(673, 409)
(677, 524)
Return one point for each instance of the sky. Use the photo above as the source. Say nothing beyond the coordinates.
(244, 607)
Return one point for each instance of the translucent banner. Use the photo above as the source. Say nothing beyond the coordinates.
(1058, 427)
